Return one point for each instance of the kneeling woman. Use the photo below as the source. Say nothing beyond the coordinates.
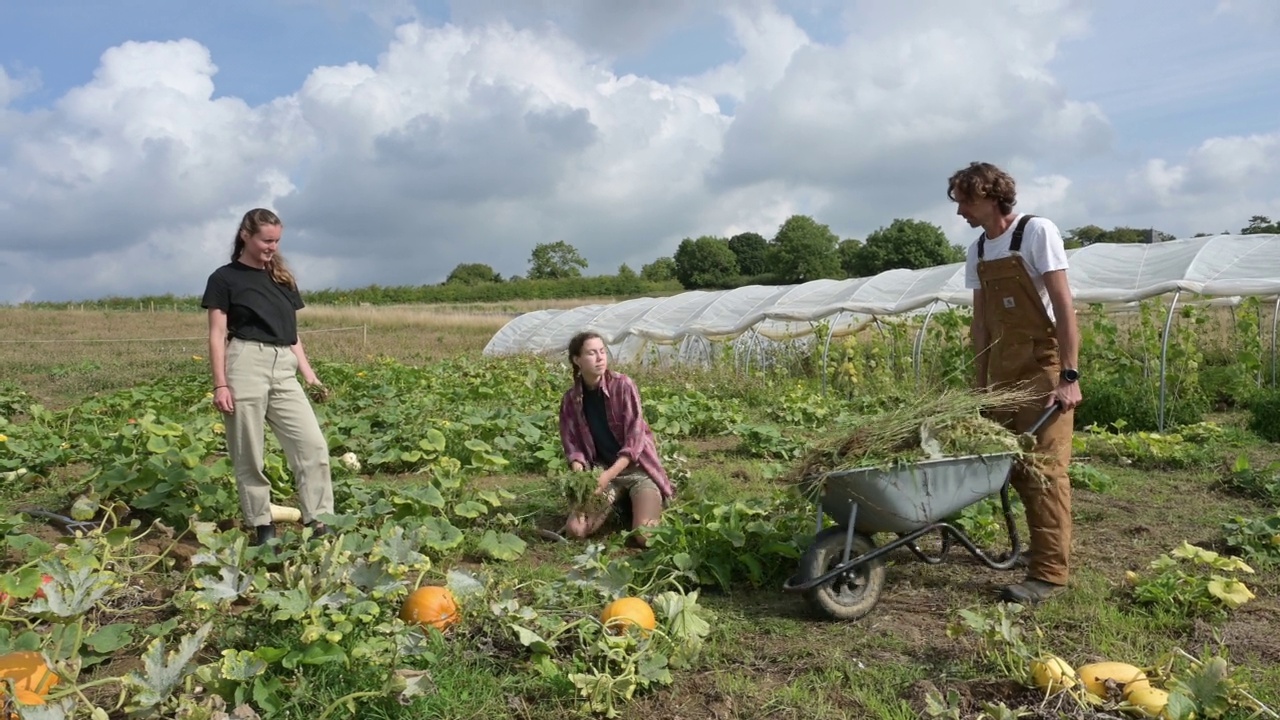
(603, 428)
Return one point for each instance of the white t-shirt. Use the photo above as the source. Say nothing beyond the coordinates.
(1042, 252)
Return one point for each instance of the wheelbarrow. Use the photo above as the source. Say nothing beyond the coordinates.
(842, 573)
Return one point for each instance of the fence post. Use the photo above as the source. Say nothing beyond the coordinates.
(364, 336)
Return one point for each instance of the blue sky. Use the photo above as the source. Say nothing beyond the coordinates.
(428, 133)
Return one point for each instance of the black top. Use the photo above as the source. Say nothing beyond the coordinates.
(257, 307)
(607, 446)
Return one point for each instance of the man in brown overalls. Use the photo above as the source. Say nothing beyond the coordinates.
(1024, 333)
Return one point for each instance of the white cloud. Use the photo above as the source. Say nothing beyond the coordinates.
(474, 141)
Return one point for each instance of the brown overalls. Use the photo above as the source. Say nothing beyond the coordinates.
(1023, 351)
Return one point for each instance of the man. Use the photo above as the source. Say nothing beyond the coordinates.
(1024, 334)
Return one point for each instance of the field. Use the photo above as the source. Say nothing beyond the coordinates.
(163, 612)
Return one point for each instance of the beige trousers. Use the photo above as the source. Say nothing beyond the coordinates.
(264, 385)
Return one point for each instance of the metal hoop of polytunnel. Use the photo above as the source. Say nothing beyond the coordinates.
(685, 327)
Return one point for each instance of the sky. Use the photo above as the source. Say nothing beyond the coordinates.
(399, 138)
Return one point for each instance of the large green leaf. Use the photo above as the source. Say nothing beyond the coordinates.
(501, 547)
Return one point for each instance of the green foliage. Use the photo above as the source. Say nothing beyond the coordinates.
(473, 274)
(1264, 414)
(661, 270)
(1247, 481)
(514, 289)
(757, 541)
(1261, 225)
(804, 250)
(752, 252)
(1192, 446)
(555, 261)
(1192, 581)
(904, 244)
(1257, 540)
(849, 251)
(1121, 378)
(705, 263)
(1091, 234)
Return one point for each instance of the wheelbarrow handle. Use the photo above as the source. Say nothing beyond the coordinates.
(1048, 413)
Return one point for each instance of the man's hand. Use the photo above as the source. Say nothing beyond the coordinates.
(1066, 394)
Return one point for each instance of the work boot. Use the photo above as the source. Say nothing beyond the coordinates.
(1030, 591)
(318, 529)
(265, 533)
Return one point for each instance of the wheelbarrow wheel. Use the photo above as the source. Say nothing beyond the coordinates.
(852, 594)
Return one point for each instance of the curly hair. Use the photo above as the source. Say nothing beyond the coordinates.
(984, 181)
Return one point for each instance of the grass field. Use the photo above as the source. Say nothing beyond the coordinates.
(767, 655)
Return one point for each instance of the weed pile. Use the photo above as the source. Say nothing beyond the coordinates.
(945, 423)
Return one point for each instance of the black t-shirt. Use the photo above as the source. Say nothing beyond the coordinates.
(607, 446)
(257, 307)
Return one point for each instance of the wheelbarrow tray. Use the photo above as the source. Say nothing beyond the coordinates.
(908, 497)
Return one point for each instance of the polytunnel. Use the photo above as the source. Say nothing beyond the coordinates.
(1218, 266)
(683, 326)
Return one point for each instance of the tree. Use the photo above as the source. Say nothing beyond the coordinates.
(1081, 236)
(553, 261)
(1092, 234)
(752, 251)
(705, 262)
(911, 244)
(660, 270)
(848, 251)
(1261, 225)
(804, 250)
(472, 274)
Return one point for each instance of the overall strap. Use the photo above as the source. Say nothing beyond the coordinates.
(1015, 245)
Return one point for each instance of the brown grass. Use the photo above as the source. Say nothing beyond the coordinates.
(60, 356)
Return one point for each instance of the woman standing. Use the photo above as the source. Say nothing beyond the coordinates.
(255, 355)
(602, 427)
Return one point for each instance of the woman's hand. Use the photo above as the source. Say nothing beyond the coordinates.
(603, 483)
(223, 401)
(576, 466)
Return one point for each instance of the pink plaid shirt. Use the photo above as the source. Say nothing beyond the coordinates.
(622, 408)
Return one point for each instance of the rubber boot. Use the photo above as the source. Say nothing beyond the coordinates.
(265, 534)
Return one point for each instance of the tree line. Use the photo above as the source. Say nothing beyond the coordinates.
(801, 250)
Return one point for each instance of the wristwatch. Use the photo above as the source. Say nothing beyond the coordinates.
(1070, 375)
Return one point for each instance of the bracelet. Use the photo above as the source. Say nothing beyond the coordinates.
(215, 387)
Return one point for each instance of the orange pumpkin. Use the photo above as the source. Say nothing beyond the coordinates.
(628, 611)
(28, 672)
(430, 605)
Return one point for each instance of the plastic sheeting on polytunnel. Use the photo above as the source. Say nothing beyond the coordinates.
(1213, 266)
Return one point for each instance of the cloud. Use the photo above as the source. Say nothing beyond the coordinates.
(13, 87)
(474, 140)
(606, 27)
(141, 146)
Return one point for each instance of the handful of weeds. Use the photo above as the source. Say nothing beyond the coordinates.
(319, 393)
(579, 488)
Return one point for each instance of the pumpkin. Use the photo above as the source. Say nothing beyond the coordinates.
(1052, 674)
(430, 605)
(26, 697)
(622, 612)
(1151, 701)
(28, 671)
(1125, 675)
